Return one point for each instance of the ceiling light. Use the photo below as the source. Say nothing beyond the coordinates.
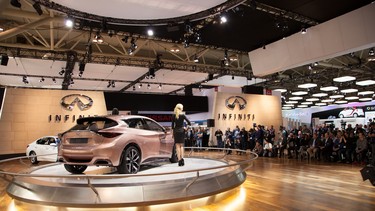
(98, 38)
(365, 99)
(307, 85)
(303, 31)
(233, 58)
(371, 58)
(291, 102)
(286, 108)
(140, 86)
(344, 79)
(312, 99)
(1, 29)
(328, 100)
(329, 88)
(320, 94)
(366, 93)
(280, 90)
(175, 49)
(302, 106)
(320, 104)
(341, 101)
(352, 98)
(336, 96)
(306, 103)
(223, 19)
(371, 52)
(69, 23)
(365, 83)
(298, 93)
(196, 59)
(349, 90)
(295, 98)
(150, 32)
(315, 64)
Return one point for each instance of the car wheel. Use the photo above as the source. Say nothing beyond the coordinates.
(130, 162)
(33, 159)
(341, 116)
(355, 115)
(75, 169)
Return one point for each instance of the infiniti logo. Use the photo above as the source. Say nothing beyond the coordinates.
(231, 102)
(69, 101)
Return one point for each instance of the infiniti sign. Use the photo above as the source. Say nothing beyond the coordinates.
(231, 102)
(69, 101)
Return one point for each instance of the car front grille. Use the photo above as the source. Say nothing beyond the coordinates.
(78, 140)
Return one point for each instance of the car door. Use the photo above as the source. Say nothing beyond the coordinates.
(51, 149)
(165, 139)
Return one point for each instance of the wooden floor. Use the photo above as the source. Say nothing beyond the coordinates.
(271, 184)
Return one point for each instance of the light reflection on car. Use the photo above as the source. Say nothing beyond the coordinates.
(120, 141)
(43, 149)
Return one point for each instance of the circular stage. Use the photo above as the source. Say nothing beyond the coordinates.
(159, 183)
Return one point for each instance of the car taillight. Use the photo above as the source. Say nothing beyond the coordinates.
(109, 135)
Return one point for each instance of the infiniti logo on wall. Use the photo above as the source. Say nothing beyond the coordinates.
(231, 102)
(83, 102)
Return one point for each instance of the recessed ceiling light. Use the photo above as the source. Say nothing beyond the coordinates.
(291, 102)
(341, 101)
(298, 93)
(344, 79)
(320, 94)
(307, 103)
(366, 93)
(329, 88)
(365, 82)
(365, 99)
(280, 90)
(349, 90)
(302, 106)
(351, 98)
(312, 99)
(328, 100)
(320, 104)
(286, 108)
(307, 85)
(295, 98)
(336, 96)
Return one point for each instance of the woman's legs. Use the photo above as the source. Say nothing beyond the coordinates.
(180, 151)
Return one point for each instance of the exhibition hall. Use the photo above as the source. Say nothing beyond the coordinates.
(187, 105)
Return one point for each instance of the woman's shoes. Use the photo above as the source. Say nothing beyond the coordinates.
(181, 162)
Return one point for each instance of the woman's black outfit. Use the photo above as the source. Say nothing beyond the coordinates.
(178, 128)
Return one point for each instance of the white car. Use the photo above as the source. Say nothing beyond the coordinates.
(47, 146)
(351, 112)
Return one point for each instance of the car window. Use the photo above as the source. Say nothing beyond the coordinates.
(41, 141)
(93, 124)
(135, 123)
(151, 125)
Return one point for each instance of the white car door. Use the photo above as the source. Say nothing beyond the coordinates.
(45, 146)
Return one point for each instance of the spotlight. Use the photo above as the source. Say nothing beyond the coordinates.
(15, 3)
(371, 52)
(303, 31)
(148, 86)
(315, 64)
(160, 86)
(113, 84)
(98, 38)
(111, 33)
(196, 59)
(133, 44)
(71, 81)
(125, 39)
(133, 88)
(109, 84)
(62, 71)
(223, 19)
(24, 79)
(264, 47)
(310, 67)
(140, 86)
(80, 74)
(150, 32)
(186, 42)
(41, 80)
(54, 80)
(175, 49)
(69, 23)
(37, 8)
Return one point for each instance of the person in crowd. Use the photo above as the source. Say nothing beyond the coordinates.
(279, 146)
(326, 147)
(267, 148)
(361, 148)
(271, 134)
(291, 145)
(244, 137)
(219, 138)
(314, 147)
(371, 140)
(259, 134)
(178, 119)
(115, 111)
(258, 149)
(199, 137)
(342, 147)
(251, 139)
(350, 146)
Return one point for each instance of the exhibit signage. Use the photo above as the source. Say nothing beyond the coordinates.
(231, 103)
(234, 101)
(68, 103)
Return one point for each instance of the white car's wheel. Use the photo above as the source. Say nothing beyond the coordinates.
(341, 115)
(33, 158)
(355, 115)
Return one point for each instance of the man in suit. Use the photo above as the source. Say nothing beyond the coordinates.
(326, 147)
(314, 147)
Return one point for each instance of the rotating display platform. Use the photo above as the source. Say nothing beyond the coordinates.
(51, 184)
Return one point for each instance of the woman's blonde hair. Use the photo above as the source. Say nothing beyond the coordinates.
(178, 109)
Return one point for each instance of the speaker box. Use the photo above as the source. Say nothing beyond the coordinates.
(188, 91)
(4, 60)
(368, 173)
(210, 123)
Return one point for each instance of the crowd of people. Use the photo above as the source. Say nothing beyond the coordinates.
(354, 144)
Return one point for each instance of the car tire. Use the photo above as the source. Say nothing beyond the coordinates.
(355, 115)
(341, 116)
(33, 159)
(130, 161)
(75, 169)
